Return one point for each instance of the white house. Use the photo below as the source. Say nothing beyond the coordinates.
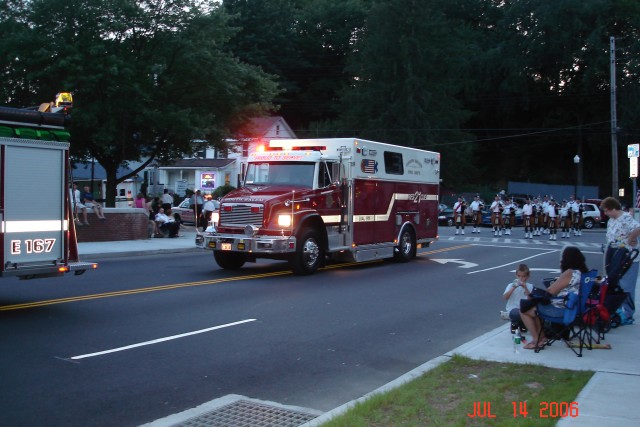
(211, 169)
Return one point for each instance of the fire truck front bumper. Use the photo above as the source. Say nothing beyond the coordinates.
(243, 243)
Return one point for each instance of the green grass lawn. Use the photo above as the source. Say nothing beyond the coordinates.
(498, 393)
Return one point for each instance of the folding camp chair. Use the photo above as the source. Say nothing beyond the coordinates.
(570, 325)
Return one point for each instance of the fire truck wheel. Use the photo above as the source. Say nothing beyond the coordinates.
(229, 260)
(406, 249)
(309, 253)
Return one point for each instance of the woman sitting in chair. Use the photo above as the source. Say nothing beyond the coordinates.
(572, 265)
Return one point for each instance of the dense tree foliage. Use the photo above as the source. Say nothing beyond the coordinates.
(505, 89)
(148, 76)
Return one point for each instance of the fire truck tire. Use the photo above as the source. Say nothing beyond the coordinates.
(309, 253)
(406, 249)
(229, 260)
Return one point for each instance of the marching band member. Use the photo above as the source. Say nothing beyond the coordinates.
(527, 219)
(545, 214)
(507, 212)
(577, 210)
(538, 214)
(565, 219)
(496, 216)
(574, 208)
(459, 217)
(476, 213)
(552, 219)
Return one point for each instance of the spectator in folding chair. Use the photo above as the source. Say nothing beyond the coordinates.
(572, 266)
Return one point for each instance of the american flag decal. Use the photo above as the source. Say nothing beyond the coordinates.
(369, 166)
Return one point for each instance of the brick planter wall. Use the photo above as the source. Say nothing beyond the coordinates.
(121, 224)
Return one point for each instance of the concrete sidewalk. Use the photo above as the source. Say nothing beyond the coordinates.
(610, 398)
(184, 243)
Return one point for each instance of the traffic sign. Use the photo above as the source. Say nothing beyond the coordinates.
(633, 150)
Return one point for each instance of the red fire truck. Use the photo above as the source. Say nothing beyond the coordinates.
(305, 200)
(36, 239)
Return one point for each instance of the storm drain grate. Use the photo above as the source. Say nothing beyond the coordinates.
(243, 413)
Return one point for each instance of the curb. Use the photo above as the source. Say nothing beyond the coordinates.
(106, 255)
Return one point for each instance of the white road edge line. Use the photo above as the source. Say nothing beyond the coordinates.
(159, 340)
(513, 262)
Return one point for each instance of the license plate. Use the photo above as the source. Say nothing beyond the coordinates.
(226, 246)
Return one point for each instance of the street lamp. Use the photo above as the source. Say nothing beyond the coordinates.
(576, 161)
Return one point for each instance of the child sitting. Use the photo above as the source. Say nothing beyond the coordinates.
(515, 291)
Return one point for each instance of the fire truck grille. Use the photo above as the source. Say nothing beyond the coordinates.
(241, 215)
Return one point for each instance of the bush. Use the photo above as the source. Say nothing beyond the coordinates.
(222, 191)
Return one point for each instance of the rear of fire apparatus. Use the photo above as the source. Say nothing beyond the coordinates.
(37, 237)
(347, 199)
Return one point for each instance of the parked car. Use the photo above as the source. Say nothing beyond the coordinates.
(486, 218)
(603, 217)
(185, 210)
(591, 215)
(445, 217)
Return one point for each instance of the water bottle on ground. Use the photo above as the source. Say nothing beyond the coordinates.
(517, 341)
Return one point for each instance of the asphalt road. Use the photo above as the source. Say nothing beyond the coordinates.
(145, 337)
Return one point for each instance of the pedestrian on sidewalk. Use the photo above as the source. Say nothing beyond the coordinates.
(623, 231)
(167, 200)
(78, 206)
(167, 223)
(89, 202)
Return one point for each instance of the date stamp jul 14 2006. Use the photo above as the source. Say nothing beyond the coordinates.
(522, 410)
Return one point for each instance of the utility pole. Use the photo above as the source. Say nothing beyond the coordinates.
(614, 124)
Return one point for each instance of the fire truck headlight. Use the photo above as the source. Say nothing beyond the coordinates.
(284, 220)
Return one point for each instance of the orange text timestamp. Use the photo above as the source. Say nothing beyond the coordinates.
(523, 410)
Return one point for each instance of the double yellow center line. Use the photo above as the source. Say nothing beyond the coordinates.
(44, 303)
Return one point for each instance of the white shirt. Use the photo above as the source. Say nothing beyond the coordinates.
(508, 208)
(574, 206)
(76, 196)
(495, 206)
(551, 211)
(209, 206)
(167, 198)
(163, 218)
(618, 229)
(475, 206)
(516, 296)
(527, 209)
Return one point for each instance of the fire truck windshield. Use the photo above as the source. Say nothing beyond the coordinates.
(281, 173)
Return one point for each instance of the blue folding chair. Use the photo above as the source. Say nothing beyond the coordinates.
(570, 326)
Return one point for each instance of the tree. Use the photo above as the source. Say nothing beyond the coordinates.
(547, 74)
(305, 43)
(148, 76)
(405, 80)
